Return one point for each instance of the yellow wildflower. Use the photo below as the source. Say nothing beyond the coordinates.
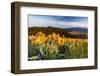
(61, 41)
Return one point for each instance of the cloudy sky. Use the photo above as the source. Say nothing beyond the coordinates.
(57, 21)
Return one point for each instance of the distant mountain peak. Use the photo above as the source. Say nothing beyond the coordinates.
(78, 29)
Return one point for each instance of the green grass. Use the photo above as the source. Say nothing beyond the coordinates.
(50, 51)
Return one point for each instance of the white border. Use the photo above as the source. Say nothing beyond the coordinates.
(25, 64)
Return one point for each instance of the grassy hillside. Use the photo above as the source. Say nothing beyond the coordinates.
(63, 32)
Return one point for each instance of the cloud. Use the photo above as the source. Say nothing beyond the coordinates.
(40, 22)
(76, 24)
